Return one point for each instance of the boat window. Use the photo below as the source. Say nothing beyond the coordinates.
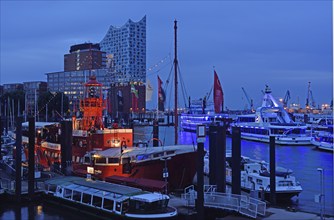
(86, 198)
(285, 183)
(137, 205)
(97, 201)
(101, 160)
(170, 152)
(76, 196)
(113, 160)
(259, 182)
(142, 157)
(108, 204)
(125, 160)
(125, 206)
(67, 193)
(158, 154)
(298, 131)
(144, 207)
(118, 206)
(86, 159)
(52, 188)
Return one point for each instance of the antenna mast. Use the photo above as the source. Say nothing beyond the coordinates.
(175, 82)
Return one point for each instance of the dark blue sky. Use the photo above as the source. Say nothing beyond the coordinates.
(284, 44)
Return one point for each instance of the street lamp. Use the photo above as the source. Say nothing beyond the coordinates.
(165, 172)
(322, 195)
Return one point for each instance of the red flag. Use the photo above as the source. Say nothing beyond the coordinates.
(161, 96)
(218, 95)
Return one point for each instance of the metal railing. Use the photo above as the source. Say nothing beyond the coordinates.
(240, 203)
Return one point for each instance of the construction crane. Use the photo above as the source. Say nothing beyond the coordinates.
(250, 101)
(287, 97)
(309, 100)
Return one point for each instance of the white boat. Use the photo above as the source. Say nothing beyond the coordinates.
(272, 120)
(108, 199)
(323, 141)
(189, 121)
(255, 176)
(204, 112)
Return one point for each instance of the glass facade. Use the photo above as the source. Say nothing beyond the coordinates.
(126, 46)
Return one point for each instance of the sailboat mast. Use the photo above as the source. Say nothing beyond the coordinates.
(175, 82)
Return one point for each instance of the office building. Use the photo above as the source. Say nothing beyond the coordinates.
(85, 56)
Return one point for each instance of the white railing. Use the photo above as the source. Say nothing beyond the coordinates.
(240, 203)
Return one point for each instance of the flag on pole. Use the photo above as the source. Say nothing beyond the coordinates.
(161, 96)
(134, 91)
(218, 95)
(149, 90)
(135, 96)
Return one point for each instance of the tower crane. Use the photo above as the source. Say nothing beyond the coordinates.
(309, 100)
(287, 97)
(250, 101)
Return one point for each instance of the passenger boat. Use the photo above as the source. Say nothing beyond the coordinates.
(323, 141)
(201, 112)
(272, 120)
(255, 176)
(107, 199)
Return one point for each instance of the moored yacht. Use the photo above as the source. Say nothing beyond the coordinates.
(323, 141)
(272, 120)
(255, 176)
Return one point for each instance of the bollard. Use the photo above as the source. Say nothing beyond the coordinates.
(236, 160)
(221, 159)
(212, 154)
(201, 134)
(272, 168)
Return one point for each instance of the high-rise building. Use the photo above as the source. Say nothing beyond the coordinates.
(118, 62)
(126, 50)
(85, 56)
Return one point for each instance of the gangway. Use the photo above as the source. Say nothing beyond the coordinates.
(239, 203)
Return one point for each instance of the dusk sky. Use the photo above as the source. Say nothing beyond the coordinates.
(284, 44)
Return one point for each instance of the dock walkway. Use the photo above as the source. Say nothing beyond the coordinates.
(242, 204)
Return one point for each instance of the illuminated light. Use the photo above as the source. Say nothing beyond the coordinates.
(39, 210)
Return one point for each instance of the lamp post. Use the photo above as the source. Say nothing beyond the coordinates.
(322, 195)
(165, 173)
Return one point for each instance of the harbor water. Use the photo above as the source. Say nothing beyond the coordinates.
(303, 160)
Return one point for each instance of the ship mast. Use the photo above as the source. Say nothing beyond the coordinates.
(175, 82)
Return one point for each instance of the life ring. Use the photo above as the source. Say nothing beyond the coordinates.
(157, 139)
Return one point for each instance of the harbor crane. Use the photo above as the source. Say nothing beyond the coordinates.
(250, 101)
(287, 97)
(309, 100)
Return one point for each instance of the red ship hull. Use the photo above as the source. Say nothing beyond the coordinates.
(181, 170)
